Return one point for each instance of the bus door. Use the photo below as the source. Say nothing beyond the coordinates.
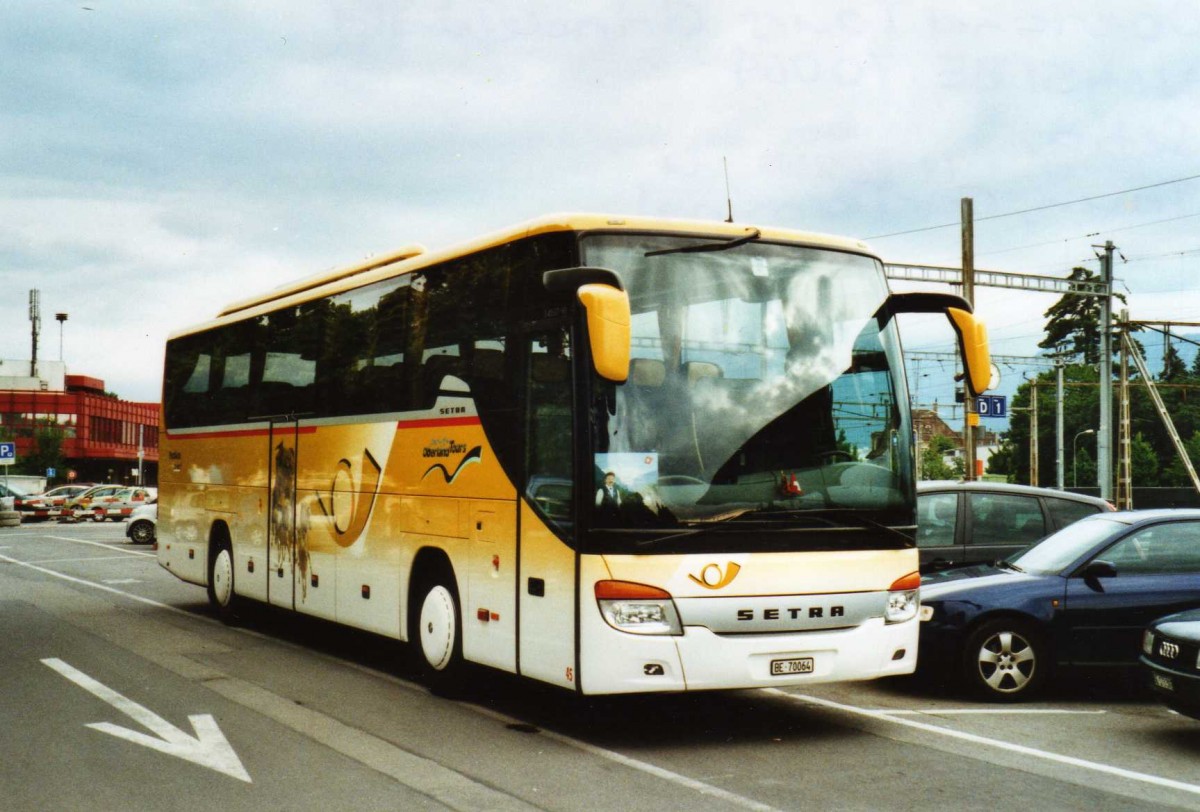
(282, 451)
(546, 584)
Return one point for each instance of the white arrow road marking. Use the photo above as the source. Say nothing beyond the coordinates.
(208, 748)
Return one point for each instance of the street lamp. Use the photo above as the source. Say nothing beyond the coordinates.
(1075, 456)
(61, 318)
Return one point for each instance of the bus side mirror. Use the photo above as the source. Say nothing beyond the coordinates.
(973, 344)
(972, 334)
(608, 320)
(606, 303)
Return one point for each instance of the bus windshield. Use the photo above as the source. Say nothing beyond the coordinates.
(762, 404)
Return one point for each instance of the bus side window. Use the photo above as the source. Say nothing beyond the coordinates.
(548, 461)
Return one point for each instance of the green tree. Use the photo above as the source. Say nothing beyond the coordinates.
(47, 450)
(1144, 462)
(933, 463)
(1003, 460)
(1174, 369)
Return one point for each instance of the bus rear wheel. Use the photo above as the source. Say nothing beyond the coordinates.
(437, 636)
(220, 584)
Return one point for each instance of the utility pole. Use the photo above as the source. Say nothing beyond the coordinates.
(35, 320)
(1104, 470)
(1033, 433)
(1124, 499)
(968, 286)
(1060, 475)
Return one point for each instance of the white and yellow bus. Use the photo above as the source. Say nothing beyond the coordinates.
(612, 454)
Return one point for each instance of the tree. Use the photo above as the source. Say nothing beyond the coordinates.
(933, 463)
(1073, 322)
(47, 450)
(1144, 461)
(1174, 368)
(1002, 462)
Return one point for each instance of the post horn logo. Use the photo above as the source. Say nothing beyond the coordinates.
(349, 511)
(711, 577)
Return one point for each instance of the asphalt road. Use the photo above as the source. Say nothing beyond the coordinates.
(119, 690)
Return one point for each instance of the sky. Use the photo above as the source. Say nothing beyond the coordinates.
(159, 160)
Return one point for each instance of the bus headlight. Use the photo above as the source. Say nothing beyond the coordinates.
(637, 608)
(904, 598)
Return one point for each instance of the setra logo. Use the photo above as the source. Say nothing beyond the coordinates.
(711, 577)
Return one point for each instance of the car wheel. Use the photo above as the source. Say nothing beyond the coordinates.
(141, 532)
(220, 584)
(437, 635)
(1006, 660)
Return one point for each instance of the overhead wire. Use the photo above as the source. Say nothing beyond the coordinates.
(1040, 208)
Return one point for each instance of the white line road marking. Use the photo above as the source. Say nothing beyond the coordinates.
(95, 585)
(121, 581)
(887, 716)
(100, 544)
(633, 763)
(78, 560)
(986, 711)
(208, 748)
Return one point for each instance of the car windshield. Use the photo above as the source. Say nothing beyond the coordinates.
(1057, 552)
(762, 395)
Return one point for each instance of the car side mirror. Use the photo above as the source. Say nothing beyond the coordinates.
(1093, 571)
(1097, 569)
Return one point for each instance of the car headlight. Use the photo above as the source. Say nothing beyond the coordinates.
(904, 597)
(637, 608)
(1148, 641)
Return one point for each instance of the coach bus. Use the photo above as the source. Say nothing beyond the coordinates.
(611, 454)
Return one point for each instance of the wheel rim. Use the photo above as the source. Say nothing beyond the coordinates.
(140, 532)
(438, 627)
(1007, 662)
(222, 580)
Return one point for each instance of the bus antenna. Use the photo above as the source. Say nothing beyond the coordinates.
(728, 197)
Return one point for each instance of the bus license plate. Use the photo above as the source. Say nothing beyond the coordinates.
(797, 665)
(1166, 683)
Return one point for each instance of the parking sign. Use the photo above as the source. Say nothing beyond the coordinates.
(8, 453)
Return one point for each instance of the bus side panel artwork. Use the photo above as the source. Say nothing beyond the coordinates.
(346, 566)
(546, 593)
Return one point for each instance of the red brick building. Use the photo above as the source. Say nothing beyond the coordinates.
(102, 434)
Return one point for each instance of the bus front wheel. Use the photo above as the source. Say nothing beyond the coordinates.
(437, 636)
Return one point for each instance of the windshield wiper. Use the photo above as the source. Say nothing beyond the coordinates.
(1005, 564)
(724, 245)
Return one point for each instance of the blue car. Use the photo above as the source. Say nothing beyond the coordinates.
(1080, 597)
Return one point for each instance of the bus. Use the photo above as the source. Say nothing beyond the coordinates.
(611, 454)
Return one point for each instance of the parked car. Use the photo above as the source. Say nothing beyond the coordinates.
(118, 506)
(961, 523)
(1171, 661)
(80, 507)
(1081, 597)
(143, 524)
(41, 506)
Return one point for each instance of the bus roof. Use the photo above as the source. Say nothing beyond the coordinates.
(414, 257)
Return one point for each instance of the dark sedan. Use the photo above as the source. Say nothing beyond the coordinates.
(1080, 597)
(1171, 657)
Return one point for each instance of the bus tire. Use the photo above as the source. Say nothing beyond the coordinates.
(436, 635)
(220, 582)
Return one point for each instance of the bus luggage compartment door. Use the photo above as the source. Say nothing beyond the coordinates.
(282, 451)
